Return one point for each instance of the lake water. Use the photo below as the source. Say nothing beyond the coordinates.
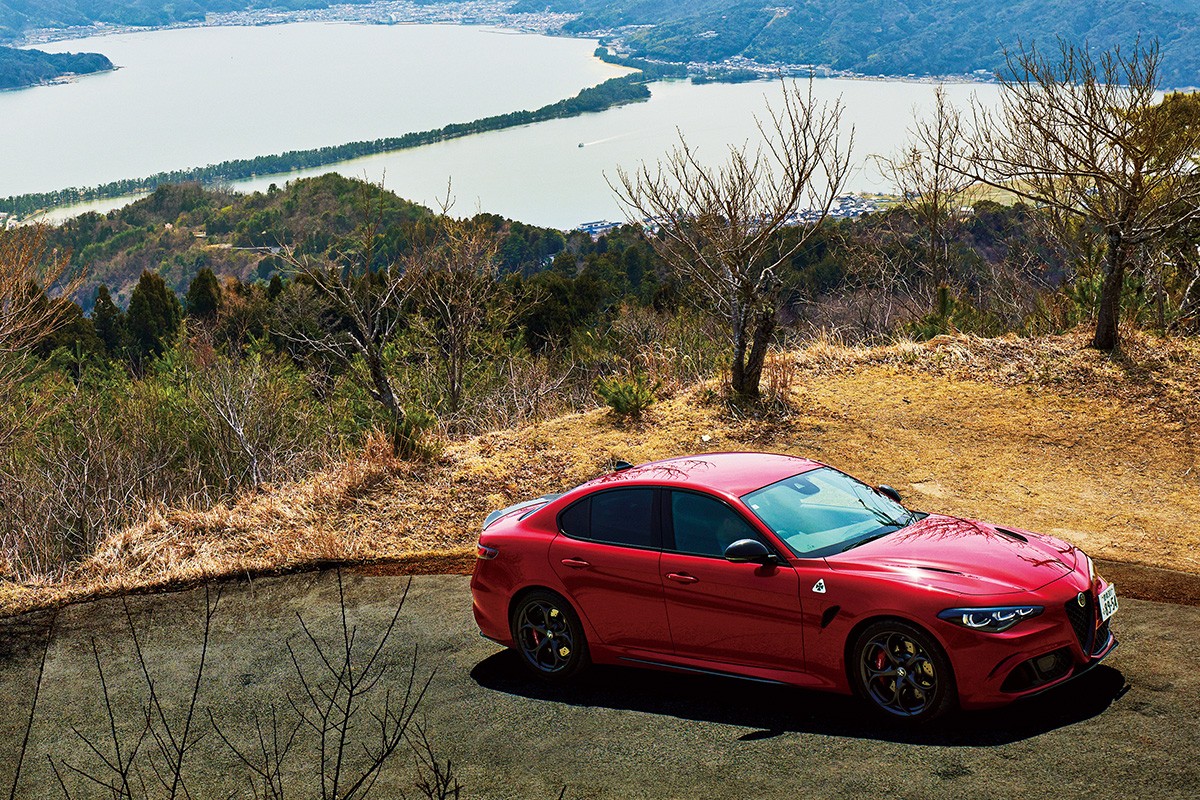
(540, 174)
(196, 96)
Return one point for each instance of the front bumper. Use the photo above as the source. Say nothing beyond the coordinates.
(1062, 643)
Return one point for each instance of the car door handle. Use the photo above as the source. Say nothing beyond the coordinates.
(575, 563)
(682, 577)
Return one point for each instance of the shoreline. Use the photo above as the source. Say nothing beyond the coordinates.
(66, 77)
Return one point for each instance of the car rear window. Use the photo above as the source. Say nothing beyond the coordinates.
(622, 516)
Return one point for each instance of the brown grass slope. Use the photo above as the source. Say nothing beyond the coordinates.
(1043, 434)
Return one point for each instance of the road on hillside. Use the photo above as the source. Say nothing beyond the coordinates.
(1129, 729)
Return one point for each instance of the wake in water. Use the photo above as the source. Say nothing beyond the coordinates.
(608, 139)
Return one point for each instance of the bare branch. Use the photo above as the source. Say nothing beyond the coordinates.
(720, 229)
(1086, 136)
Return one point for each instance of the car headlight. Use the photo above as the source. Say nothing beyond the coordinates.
(996, 619)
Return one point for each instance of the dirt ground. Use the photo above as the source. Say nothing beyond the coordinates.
(1120, 482)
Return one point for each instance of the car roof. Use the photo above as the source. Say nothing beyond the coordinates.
(733, 474)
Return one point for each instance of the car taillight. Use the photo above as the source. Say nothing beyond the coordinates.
(485, 552)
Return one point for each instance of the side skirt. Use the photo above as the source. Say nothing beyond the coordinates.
(699, 670)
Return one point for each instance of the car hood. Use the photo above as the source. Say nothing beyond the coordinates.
(965, 556)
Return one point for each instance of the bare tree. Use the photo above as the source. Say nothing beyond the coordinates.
(451, 278)
(241, 399)
(1185, 259)
(930, 179)
(720, 228)
(881, 289)
(1086, 136)
(28, 267)
(229, 398)
(361, 312)
(436, 780)
(264, 762)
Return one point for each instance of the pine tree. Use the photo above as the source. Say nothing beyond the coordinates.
(154, 315)
(204, 295)
(110, 322)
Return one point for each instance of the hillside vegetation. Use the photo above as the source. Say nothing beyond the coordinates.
(29, 67)
(1039, 433)
(922, 37)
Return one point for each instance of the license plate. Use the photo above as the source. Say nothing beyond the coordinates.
(1108, 602)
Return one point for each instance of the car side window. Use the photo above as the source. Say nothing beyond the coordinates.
(621, 516)
(576, 521)
(704, 526)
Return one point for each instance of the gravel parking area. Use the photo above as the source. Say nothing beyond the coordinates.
(1127, 729)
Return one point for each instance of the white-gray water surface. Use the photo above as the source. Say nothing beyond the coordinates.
(191, 97)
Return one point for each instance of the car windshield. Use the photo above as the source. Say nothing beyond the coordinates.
(823, 511)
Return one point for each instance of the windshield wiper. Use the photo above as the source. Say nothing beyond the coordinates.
(853, 545)
(881, 517)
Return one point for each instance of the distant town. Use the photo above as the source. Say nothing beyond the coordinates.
(384, 12)
(846, 206)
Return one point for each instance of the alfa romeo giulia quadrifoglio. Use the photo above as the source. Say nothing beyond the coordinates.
(782, 569)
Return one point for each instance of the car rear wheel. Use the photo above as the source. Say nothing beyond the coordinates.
(902, 671)
(549, 636)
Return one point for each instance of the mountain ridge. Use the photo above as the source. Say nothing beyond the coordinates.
(885, 37)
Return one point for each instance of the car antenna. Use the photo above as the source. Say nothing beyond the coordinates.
(620, 465)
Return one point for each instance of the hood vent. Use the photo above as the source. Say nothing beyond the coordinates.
(1012, 535)
(926, 568)
(939, 569)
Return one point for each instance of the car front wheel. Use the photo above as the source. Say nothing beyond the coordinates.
(902, 671)
(549, 636)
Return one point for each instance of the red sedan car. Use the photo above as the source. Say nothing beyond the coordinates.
(781, 569)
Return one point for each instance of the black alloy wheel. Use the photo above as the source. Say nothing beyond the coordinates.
(903, 672)
(549, 636)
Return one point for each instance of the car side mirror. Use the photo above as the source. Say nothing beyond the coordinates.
(745, 551)
(888, 491)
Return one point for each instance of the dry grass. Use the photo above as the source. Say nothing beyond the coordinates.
(1043, 434)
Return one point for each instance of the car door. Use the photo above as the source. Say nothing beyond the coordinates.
(719, 611)
(606, 555)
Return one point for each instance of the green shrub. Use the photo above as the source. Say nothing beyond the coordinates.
(628, 395)
(411, 438)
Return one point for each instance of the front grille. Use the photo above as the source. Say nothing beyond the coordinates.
(1102, 637)
(1083, 620)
